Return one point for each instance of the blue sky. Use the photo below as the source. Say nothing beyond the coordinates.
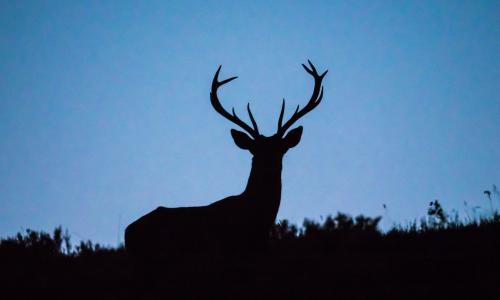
(105, 112)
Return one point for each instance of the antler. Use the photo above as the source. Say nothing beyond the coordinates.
(316, 97)
(254, 132)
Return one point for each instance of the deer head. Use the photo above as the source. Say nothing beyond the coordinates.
(268, 148)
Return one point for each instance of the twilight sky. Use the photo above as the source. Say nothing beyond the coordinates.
(105, 112)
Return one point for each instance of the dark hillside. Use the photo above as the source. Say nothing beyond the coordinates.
(340, 258)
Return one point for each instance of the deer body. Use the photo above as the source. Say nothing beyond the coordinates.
(234, 223)
(239, 222)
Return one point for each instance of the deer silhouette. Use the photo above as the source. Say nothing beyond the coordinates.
(241, 222)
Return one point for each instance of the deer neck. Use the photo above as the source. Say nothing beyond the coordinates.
(263, 189)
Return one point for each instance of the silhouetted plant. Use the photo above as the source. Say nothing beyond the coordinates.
(40, 243)
(341, 223)
(437, 216)
(366, 223)
(310, 228)
(67, 242)
(34, 242)
(283, 230)
(488, 195)
(344, 222)
(494, 191)
(87, 248)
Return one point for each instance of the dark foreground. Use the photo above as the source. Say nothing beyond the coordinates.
(324, 261)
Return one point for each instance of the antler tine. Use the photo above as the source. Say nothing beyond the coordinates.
(315, 99)
(282, 112)
(313, 71)
(214, 99)
(255, 127)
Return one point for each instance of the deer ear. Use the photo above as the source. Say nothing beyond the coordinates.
(241, 139)
(293, 137)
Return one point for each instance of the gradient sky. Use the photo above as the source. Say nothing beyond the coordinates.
(105, 112)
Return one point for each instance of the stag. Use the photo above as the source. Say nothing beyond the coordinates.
(241, 222)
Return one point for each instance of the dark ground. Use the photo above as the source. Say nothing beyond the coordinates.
(321, 262)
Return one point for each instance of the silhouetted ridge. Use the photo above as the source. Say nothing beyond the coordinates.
(338, 257)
